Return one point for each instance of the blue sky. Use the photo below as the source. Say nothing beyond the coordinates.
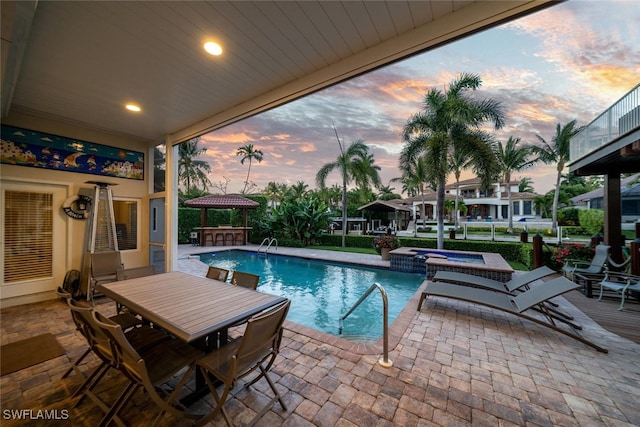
(570, 61)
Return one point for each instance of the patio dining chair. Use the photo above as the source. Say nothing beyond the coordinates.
(254, 352)
(133, 273)
(143, 338)
(104, 267)
(620, 283)
(246, 280)
(217, 273)
(149, 370)
(127, 321)
(595, 266)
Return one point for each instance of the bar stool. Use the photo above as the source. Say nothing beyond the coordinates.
(238, 238)
(219, 237)
(228, 237)
(208, 235)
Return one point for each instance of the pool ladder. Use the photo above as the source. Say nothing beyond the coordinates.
(269, 242)
(385, 329)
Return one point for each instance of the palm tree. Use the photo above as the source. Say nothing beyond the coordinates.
(249, 152)
(297, 191)
(526, 185)
(451, 122)
(192, 172)
(415, 175)
(512, 158)
(354, 163)
(557, 152)
(385, 192)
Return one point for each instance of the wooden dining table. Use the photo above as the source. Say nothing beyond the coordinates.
(186, 306)
(194, 309)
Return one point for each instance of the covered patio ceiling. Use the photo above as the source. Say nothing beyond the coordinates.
(80, 62)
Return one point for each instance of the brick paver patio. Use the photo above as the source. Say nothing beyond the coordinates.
(454, 364)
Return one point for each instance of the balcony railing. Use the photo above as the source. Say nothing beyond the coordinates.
(617, 120)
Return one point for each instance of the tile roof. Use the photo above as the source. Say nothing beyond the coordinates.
(222, 201)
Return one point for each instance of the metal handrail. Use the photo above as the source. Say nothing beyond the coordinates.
(385, 329)
(269, 242)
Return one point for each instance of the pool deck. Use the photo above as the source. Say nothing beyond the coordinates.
(455, 364)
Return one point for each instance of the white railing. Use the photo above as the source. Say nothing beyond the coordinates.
(617, 120)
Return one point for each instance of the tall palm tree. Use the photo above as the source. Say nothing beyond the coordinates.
(557, 152)
(192, 172)
(354, 164)
(512, 158)
(451, 121)
(250, 153)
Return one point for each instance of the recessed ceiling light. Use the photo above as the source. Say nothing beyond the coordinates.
(213, 48)
(133, 107)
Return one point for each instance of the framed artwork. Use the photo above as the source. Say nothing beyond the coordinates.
(25, 147)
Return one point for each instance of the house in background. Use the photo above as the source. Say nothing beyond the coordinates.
(629, 195)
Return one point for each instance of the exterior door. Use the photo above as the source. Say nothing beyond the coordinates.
(156, 234)
(33, 240)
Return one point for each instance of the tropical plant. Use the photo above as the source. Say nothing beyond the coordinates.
(353, 163)
(512, 158)
(303, 219)
(556, 152)
(248, 152)
(450, 122)
(386, 241)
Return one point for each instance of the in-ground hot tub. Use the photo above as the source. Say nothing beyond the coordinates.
(419, 260)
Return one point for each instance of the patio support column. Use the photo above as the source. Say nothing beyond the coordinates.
(613, 215)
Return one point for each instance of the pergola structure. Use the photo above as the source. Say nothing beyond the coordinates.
(222, 201)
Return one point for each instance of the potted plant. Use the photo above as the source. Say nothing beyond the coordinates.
(385, 243)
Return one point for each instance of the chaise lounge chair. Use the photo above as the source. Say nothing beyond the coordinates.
(535, 297)
(519, 281)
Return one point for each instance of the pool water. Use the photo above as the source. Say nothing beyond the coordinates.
(321, 291)
(467, 258)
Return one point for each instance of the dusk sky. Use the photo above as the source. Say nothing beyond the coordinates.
(570, 61)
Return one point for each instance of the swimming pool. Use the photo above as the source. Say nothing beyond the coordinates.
(321, 291)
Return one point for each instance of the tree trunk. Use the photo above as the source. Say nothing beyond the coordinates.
(344, 213)
(440, 213)
(556, 198)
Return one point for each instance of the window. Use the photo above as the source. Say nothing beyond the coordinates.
(527, 207)
(125, 213)
(28, 231)
(516, 208)
(159, 168)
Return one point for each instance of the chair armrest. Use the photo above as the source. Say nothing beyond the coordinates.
(576, 263)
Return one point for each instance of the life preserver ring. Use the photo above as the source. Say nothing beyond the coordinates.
(77, 207)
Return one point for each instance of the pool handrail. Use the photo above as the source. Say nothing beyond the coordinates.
(385, 362)
(269, 242)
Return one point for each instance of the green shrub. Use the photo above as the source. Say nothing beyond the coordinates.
(592, 220)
